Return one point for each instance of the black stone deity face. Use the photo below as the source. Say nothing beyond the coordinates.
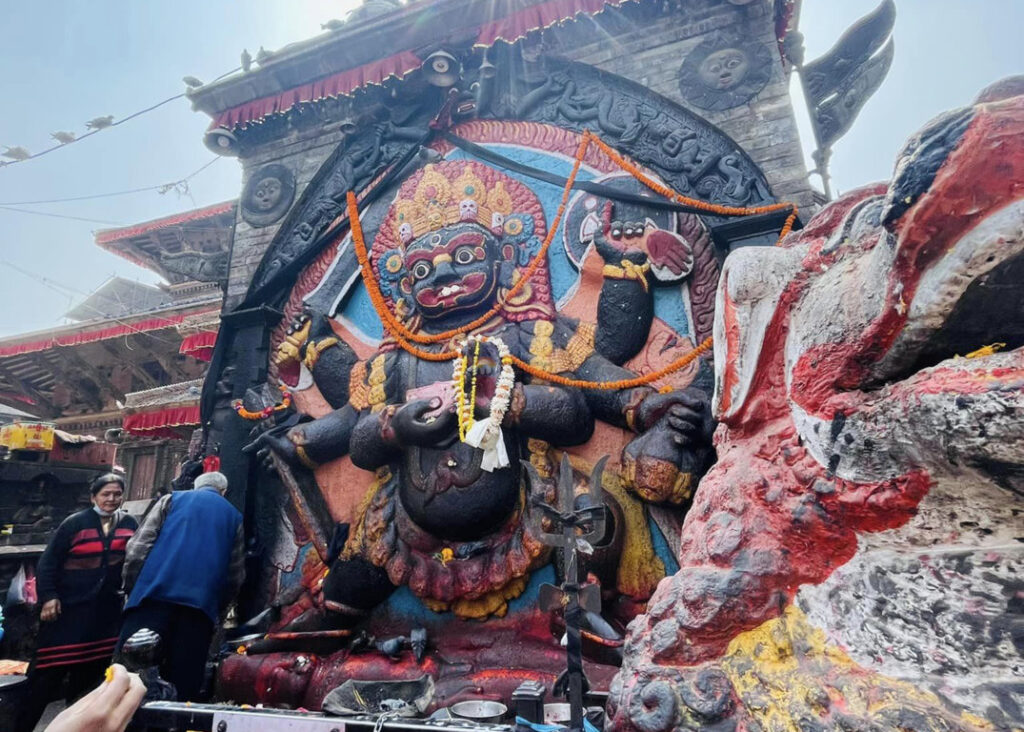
(453, 271)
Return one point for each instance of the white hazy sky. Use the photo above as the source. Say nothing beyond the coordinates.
(66, 61)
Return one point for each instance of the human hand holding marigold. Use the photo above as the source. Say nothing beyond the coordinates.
(107, 708)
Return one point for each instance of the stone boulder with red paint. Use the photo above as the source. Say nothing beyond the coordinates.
(853, 559)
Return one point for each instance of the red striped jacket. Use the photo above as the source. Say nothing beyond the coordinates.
(80, 562)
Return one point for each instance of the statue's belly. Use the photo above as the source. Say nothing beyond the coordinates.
(446, 493)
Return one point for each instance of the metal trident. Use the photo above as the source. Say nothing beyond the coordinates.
(577, 528)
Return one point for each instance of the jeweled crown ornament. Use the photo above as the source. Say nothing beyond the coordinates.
(439, 202)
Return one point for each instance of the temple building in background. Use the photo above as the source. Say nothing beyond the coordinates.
(116, 388)
(128, 368)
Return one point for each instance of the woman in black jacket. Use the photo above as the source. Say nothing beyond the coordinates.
(79, 584)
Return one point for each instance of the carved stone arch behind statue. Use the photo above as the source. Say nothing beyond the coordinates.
(687, 152)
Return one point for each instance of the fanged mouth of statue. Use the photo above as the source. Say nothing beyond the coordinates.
(451, 294)
(969, 303)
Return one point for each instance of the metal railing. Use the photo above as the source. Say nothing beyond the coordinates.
(186, 717)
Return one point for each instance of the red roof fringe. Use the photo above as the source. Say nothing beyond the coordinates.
(510, 29)
(199, 345)
(538, 17)
(161, 422)
(110, 235)
(98, 334)
(337, 85)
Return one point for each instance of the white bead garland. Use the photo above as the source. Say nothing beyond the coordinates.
(485, 434)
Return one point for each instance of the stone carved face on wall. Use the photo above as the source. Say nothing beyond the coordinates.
(724, 69)
(724, 72)
(268, 195)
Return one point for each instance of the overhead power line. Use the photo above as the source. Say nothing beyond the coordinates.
(161, 188)
(102, 126)
(60, 145)
(59, 216)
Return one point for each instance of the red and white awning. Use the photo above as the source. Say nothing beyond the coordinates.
(77, 335)
(172, 422)
(199, 345)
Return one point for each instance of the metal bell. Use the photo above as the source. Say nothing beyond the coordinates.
(441, 69)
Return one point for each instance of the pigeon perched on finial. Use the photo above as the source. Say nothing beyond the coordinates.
(333, 24)
(246, 59)
(99, 123)
(16, 153)
(262, 56)
(192, 82)
(63, 137)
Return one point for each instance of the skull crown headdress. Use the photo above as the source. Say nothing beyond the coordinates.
(439, 200)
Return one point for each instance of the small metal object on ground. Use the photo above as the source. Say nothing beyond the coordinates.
(479, 710)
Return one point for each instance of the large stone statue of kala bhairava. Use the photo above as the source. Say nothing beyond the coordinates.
(419, 453)
(853, 560)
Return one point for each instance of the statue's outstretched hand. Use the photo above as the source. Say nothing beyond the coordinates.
(295, 337)
(674, 445)
(306, 329)
(267, 443)
(643, 242)
(425, 423)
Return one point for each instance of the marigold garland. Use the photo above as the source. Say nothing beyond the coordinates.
(486, 433)
(286, 401)
(676, 365)
(694, 202)
(464, 408)
(406, 338)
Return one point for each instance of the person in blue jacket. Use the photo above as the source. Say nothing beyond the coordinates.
(184, 566)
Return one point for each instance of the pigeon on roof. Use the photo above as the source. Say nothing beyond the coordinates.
(263, 55)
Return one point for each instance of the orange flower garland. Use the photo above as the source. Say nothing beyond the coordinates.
(679, 363)
(244, 413)
(694, 202)
(405, 337)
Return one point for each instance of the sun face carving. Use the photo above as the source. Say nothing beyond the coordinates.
(724, 72)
